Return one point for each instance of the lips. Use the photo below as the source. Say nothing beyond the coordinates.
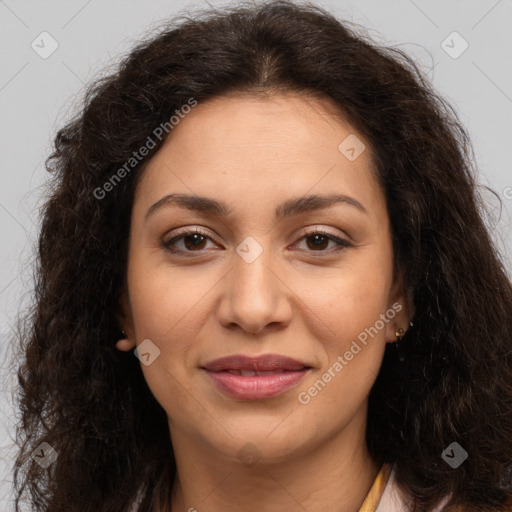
(255, 378)
(265, 363)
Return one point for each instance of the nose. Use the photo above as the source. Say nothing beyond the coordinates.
(255, 298)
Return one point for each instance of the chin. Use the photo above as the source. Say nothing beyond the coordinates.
(260, 446)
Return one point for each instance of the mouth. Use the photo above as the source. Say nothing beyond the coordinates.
(255, 378)
(252, 373)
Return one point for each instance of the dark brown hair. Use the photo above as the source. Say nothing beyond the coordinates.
(90, 402)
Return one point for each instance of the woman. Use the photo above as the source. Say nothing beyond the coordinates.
(279, 219)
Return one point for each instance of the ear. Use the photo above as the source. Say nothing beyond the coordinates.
(401, 302)
(125, 320)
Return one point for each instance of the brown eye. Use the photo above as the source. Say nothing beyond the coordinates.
(318, 241)
(191, 241)
(195, 242)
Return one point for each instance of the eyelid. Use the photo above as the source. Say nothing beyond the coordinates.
(313, 230)
(200, 230)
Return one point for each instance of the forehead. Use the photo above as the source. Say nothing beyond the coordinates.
(288, 125)
(244, 146)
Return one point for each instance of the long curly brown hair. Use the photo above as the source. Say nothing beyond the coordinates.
(90, 402)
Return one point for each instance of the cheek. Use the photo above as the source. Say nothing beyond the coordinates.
(350, 322)
(348, 300)
(170, 307)
(164, 298)
(165, 306)
(352, 354)
(359, 331)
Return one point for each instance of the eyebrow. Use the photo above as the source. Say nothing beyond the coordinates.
(289, 208)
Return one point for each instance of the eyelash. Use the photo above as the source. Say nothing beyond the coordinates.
(167, 244)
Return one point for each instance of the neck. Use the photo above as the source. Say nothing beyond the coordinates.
(333, 476)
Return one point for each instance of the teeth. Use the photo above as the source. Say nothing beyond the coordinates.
(252, 373)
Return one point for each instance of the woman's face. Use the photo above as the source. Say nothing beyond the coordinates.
(262, 278)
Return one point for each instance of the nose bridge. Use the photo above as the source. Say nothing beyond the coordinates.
(253, 298)
(252, 276)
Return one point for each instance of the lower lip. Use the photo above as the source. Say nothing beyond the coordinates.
(257, 387)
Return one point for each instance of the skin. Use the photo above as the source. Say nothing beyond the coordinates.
(254, 153)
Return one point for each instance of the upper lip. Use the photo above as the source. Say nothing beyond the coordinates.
(268, 362)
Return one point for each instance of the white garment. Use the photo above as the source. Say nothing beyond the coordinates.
(394, 500)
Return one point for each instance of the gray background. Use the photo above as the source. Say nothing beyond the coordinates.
(37, 96)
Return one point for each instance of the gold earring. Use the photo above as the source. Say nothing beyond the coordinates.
(399, 335)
